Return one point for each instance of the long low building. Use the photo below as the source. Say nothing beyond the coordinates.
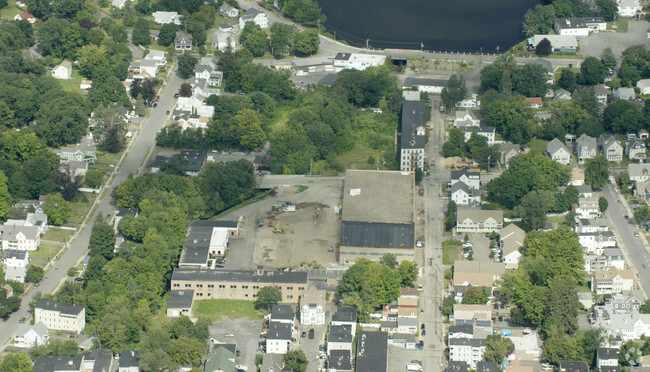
(238, 284)
(559, 43)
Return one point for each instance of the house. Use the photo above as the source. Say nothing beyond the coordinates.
(611, 148)
(601, 91)
(461, 194)
(508, 151)
(586, 148)
(464, 314)
(571, 366)
(470, 178)
(612, 281)
(606, 357)
(594, 242)
(642, 191)
(468, 350)
(482, 274)
(559, 43)
(407, 325)
(222, 359)
(312, 307)
(272, 363)
(345, 316)
(431, 86)
(282, 314)
(29, 336)
(579, 26)
(562, 94)
(591, 225)
(182, 41)
(614, 257)
(129, 361)
(99, 360)
(180, 303)
(557, 151)
(512, 239)
(227, 11)
(339, 361)
(484, 130)
(372, 352)
(206, 239)
(460, 331)
(527, 346)
(413, 138)
(644, 86)
(535, 102)
(16, 265)
(472, 102)
(63, 71)
(638, 172)
(457, 367)
(26, 16)
(119, 4)
(487, 367)
(643, 134)
(195, 105)
(256, 16)
(8, 290)
(157, 56)
(60, 316)
(629, 8)
(83, 151)
(407, 303)
(628, 326)
(37, 219)
(339, 338)
(635, 149)
(278, 338)
(357, 61)
(465, 118)
(587, 208)
(474, 220)
(627, 94)
(121, 212)
(22, 238)
(163, 18)
(222, 40)
(85, 84)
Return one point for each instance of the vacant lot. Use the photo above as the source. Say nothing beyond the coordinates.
(218, 310)
(451, 251)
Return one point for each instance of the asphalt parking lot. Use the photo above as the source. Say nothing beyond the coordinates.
(243, 332)
(241, 254)
(480, 247)
(594, 44)
(399, 357)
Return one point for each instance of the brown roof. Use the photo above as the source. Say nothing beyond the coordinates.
(481, 267)
(408, 291)
(613, 272)
(475, 279)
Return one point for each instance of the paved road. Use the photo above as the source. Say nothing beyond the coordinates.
(78, 248)
(635, 251)
(291, 180)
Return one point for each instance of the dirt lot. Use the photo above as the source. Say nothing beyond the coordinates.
(311, 237)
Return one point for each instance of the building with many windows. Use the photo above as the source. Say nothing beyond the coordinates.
(60, 316)
(413, 137)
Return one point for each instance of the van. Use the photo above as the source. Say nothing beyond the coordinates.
(442, 108)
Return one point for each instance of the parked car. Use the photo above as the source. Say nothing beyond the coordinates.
(311, 333)
(303, 334)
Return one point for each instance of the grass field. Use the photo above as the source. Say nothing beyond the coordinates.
(44, 252)
(78, 210)
(451, 251)
(55, 235)
(538, 146)
(620, 25)
(217, 310)
(9, 13)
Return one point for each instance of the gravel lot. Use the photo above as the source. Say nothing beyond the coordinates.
(245, 333)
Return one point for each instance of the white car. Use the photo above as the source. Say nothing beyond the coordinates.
(241, 367)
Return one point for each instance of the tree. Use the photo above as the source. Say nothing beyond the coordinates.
(624, 181)
(16, 362)
(455, 91)
(34, 274)
(475, 296)
(560, 348)
(530, 80)
(268, 296)
(185, 90)
(140, 107)
(296, 360)
(629, 354)
(497, 348)
(186, 65)
(607, 57)
(186, 351)
(533, 208)
(57, 209)
(282, 37)
(141, 34)
(557, 252)
(543, 48)
(167, 34)
(254, 39)
(567, 79)
(408, 272)
(4, 196)
(597, 171)
(645, 308)
(608, 9)
(590, 341)
(593, 71)
(102, 240)
(450, 215)
(539, 20)
(388, 259)
(642, 214)
(145, 88)
(602, 204)
(563, 304)
(306, 43)
(249, 129)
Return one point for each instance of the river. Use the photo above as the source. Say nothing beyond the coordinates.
(442, 25)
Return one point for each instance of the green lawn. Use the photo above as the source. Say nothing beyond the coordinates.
(44, 252)
(55, 235)
(538, 146)
(451, 251)
(620, 25)
(217, 310)
(78, 210)
(10, 12)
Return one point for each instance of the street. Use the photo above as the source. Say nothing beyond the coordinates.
(133, 161)
(635, 251)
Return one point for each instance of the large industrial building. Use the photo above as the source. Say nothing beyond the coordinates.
(378, 216)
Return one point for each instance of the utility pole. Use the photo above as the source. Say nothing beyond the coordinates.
(367, 43)
(334, 34)
(318, 21)
(422, 46)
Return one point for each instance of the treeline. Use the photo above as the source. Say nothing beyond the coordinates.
(539, 20)
(285, 38)
(320, 124)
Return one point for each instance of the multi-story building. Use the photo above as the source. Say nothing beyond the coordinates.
(468, 350)
(16, 265)
(339, 337)
(372, 352)
(474, 220)
(312, 307)
(278, 338)
(21, 238)
(29, 336)
(60, 316)
(413, 137)
(579, 26)
(612, 281)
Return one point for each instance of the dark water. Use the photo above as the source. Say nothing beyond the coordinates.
(452, 25)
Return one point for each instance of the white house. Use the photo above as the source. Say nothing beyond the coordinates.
(36, 218)
(586, 148)
(587, 208)
(612, 281)
(557, 151)
(591, 225)
(562, 94)
(345, 316)
(559, 43)
(469, 103)
(484, 130)
(611, 148)
(163, 18)
(157, 56)
(468, 350)
(470, 178)
(59, 316)
(596, 242)
(222, 40)
(282, 314)
(16, 265)
(433, 86)
(601, 91)
(465, 118)
(194, 105)
(339, 337)
(606, 357)
(627, 326)
(278, 338)
(83, 151)
(144, 68)
(579, 26)
(26, 16)
(644, 86)
(129, 361)
(635, 149)
(512, 239)
(254, 15)
(22, 238)
(63, 71)
(623, 93)
(29, 336)
(478, 220)
(312, 307)
(638, 172)
(461, 194)
(228, 12)
(628, 8)
(357, 61)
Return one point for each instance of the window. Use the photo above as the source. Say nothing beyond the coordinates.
(256, 287)
(233, 287)
(221, 286)
(199, 286)
(199, 295)
(188, 286)
(176, 285)
(289, 288)
(289, 297)
(244, 287)
(301, 288)
(210, 285)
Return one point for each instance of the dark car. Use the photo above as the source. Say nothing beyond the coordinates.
(422, 326)
(423, 333)
(176, 95)
(311, 334)
(304, 334)
(260, 223)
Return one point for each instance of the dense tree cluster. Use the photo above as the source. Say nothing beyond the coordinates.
(476, 148)
(539, 20)
(506, 77)
(635, 65)
(368, 285)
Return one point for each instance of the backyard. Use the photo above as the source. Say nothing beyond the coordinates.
(217, 310)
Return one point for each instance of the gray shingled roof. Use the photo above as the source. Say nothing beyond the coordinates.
(413, 117)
